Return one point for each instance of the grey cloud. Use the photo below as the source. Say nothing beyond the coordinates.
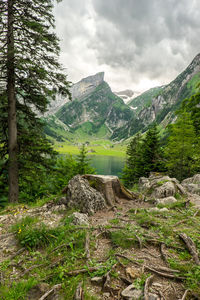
(147, 36)
(153, 39)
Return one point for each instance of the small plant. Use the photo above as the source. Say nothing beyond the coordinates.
(17, 291)
(114, 221)
(123, 239)
(140, 282)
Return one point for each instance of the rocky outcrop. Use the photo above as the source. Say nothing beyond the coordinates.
(161, 188)
(86, 86)
(192, 184)
(81, 196)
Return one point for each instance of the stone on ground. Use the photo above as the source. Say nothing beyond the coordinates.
(81, 196)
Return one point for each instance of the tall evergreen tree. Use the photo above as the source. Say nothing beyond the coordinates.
(30, 77)
(152, 153)
(134, 167)
(181, 153)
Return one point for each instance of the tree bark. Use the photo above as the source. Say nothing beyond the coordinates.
(12, 114)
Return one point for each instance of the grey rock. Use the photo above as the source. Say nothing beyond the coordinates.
(192, 184)
(97, 280)
(156, 209)
(167, 200)
(130, 293)
(195, 179)
(165, 190)
(80, 219)
(80, 195)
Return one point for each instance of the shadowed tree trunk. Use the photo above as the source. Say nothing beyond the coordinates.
(12, 118)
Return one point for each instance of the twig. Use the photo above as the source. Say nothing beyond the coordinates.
(191, 247)
(79, 292)
(167, 275)
(151, 254)
(163, 255)
(129, 259)
(185, 295)
(31, 268)
(139, 241)
(196, 213)
(180, 222)
(87, 245)
(81, 271)
(107, 277)
(55, 287)
(58, 247)
(17, 253)
(146, 287)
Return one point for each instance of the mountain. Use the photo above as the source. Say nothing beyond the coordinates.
(96, 112)
(126, 95)
(144, 99)
(160, 107)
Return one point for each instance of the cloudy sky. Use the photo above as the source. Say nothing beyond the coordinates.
(138, 43)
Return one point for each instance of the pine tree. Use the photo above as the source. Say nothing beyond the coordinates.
(152, 153)
(30, 77)
(134, 167)
(181, 152)
(83, 162)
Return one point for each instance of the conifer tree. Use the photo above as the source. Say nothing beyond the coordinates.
(30, 77)
(181, 151)
(134, 168)
(152, 153)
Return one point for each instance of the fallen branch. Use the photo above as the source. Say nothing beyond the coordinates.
(55, 287)
(139, 241)
(196, 213)
(81, 271)
(162, 251)
(191, 247)
(87, 245)
(107, 277)
(129, 259)
(17, 253)
(185, 295)
(146, 287)
(79, 292)
(167, 275)
(180, 222)
(32, 268)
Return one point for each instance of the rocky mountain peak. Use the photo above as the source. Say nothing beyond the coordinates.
(86, 85)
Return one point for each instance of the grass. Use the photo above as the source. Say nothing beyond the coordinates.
(100, 147)
(62, 249)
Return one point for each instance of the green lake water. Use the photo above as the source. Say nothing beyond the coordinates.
(107, 165)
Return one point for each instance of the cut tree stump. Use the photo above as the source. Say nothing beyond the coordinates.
(110, 187)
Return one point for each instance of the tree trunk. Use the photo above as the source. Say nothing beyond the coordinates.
(12, 117)
(111, 188)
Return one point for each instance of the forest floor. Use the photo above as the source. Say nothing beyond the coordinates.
(44, 256)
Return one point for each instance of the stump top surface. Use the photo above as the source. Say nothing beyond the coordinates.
(104, 178)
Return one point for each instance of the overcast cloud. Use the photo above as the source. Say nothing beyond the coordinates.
(138, 43)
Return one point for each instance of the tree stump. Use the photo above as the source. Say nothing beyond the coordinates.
(110, 187)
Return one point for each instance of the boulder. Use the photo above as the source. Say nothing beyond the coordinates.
(81, 196)
(159, 186)
(167, 200)
(80, 219)
(131, 293)
(192, 184)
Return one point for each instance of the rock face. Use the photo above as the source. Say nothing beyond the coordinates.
(80, 195)
(192, 184)
(161, 188)
(86, 85)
